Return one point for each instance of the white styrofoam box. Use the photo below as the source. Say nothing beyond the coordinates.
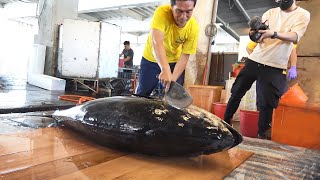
(109, 50)
(236, 116)
(37, 59)
(244, 40)
(248, 101)
(47, 82)
(80, 48)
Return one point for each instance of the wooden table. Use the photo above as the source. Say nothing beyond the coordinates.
(58, 153)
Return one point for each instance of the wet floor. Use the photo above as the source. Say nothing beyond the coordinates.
(17, 96)
(17, 122)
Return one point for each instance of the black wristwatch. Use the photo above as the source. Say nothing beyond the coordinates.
(274, 36)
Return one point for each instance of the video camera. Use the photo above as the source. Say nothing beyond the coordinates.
(255, 25)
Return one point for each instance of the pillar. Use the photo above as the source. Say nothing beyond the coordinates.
(196, 64)
(308, 51)
(51, 14)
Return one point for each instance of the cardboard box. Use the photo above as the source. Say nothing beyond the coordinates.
(205, 96)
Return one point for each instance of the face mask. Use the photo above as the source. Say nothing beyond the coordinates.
(285, 4)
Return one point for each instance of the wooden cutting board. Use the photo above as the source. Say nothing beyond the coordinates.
(58, 153)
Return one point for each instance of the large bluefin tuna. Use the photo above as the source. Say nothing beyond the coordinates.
(150, 126)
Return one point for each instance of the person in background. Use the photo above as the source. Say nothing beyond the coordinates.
(127, 53)
(173, 37)
(267, 63)
(292, 72)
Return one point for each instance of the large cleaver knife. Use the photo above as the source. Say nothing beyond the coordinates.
(177, 96)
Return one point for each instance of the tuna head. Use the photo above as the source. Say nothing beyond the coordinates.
(150, 127)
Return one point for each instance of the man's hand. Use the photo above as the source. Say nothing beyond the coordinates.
(265, 34)
(292, 73)
(165, 78)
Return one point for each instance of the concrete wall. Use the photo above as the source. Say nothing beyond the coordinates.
(308, 64)
(309, 45)
(308, 77)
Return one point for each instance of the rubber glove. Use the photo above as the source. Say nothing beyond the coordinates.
(292, 73)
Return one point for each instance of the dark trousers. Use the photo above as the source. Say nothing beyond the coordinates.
(272, 83)
(148, 80)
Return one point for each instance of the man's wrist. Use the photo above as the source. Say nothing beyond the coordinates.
(275, 35)
(165, 68)
(293, 67)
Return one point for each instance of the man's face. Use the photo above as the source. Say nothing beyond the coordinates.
(127, 47)
(285, 4)
(182, 12)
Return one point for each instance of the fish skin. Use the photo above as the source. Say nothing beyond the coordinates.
(150, 126)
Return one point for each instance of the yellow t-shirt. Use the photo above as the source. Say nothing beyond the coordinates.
(176, 40)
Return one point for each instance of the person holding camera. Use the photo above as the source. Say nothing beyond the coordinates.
(291, 73)
(267, 63)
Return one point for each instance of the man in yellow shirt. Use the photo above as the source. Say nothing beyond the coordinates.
(172, 38)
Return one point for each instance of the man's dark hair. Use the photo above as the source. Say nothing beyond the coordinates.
(126, 43)
(173, 2)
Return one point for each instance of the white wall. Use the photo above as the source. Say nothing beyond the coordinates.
(16, 38)
(224, 42)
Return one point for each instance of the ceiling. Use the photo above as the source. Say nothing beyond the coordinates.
(233, 15)
(3, 2)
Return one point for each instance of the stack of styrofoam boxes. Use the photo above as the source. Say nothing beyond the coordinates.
(248, 102)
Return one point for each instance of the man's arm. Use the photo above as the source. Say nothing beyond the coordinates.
(127, 58)
(249, 50)
(251, 45)
(293, 57)
(285, 36)
(292, 72)
(130, 54)
(159, 53)
(180, 66)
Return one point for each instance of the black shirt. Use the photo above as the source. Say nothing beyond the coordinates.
(127, 53)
